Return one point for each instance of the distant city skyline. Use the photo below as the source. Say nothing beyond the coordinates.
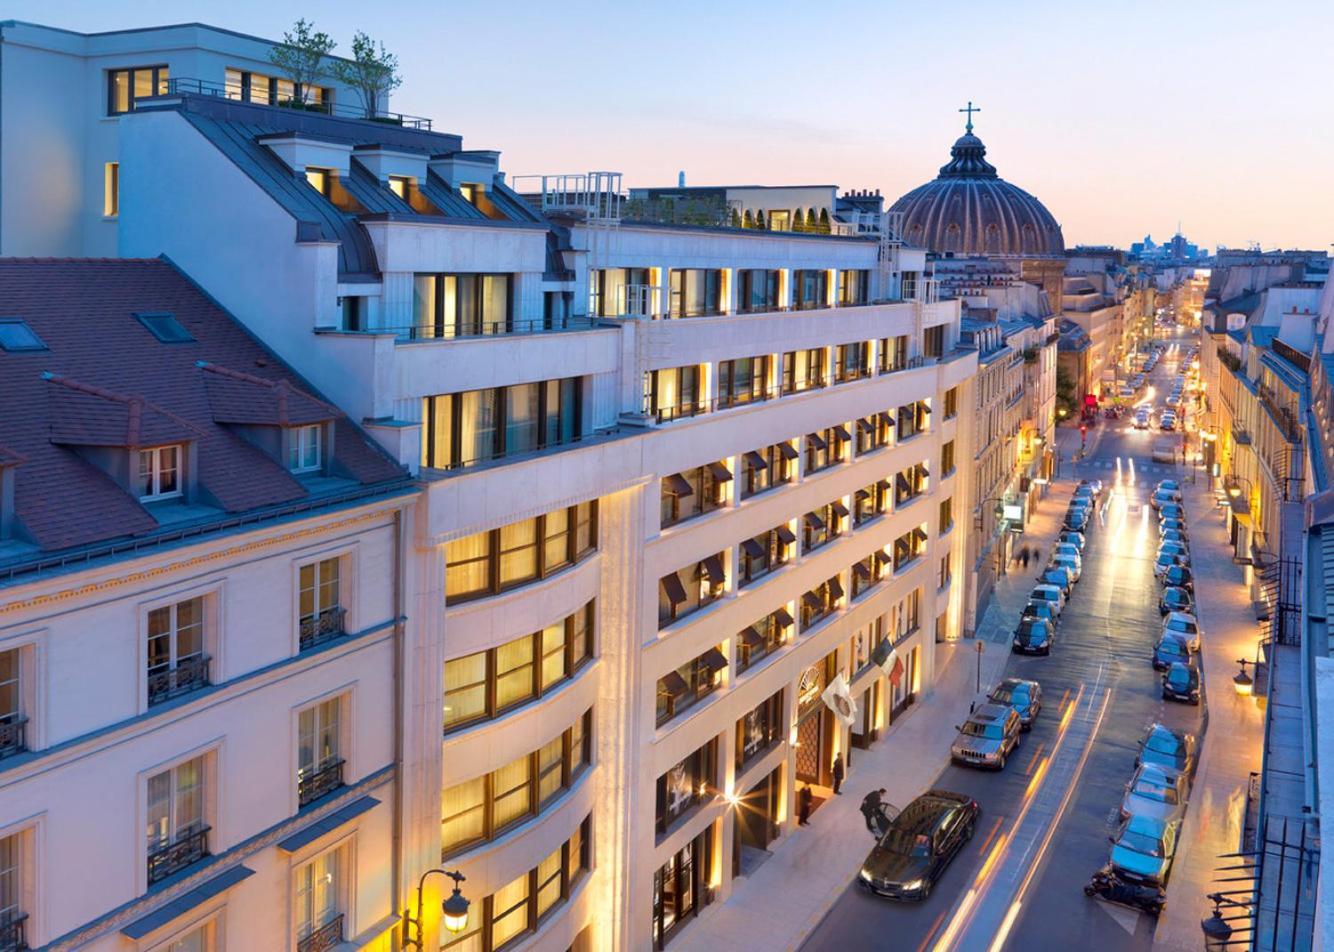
(1111, 116)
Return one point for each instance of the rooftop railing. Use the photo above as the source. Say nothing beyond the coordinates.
(185, 85)
(474, 330)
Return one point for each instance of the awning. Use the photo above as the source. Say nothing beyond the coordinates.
(835, 588)
(720, 472)
(676, 592)
(327, 824)
(783, 617)
(788, 451)
(860, 495)
(751, 638)
(924, 408)
(883, 557)
(672, 683)
(861, 570)
(677, 485)
(866, 424)
(713, 660)
(839, 508)
(755, 461)
(841, 433)
(887, 417)
(884, 485)
(713, 568)
(812, 601)
(816, 440)
(814, 521)
(786, 535)
(752, 548)
(185, 902)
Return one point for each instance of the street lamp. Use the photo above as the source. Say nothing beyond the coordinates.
(1242, 681)
(1216, 930)
(980, 648)
(1234, 490)
(454, 909)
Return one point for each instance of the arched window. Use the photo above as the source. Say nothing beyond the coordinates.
(953, 238)
(993, 240)
(1029, 238)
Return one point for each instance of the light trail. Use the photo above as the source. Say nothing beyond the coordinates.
(964, 908)
(1038, 774)
(1004, 932)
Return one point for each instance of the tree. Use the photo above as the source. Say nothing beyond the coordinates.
(759, 220)
(301, 56)
(798, 223)
(736, 218)
(372, 72)
(749, 220)
(824, 221)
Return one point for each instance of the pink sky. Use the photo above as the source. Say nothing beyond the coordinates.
(1123, 118)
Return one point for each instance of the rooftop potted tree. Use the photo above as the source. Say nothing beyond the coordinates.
(373, 73)
(300, 56)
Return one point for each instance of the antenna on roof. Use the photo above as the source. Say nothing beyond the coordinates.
(681, 179)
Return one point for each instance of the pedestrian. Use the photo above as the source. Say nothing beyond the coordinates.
(804, 806)
(838, 773)
(873, 809)
(1023, 557)
(1037, 556)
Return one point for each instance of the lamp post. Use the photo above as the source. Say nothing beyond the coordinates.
(1242, 681)
(454, 910)
(980, 648)
(1216, 930)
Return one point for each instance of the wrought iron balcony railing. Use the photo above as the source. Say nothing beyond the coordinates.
(325, 937)
(14, 933)
(13, 740)
(186, 849)
(326, 626)
(190, 674)
(315, 784)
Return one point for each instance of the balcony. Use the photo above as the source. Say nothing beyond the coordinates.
(188, 848)
(183, 85)
(14, 933)
(190, 674)
(327, 936)
(319, 782)
(13, 740)
(418, 333)
(324, 627)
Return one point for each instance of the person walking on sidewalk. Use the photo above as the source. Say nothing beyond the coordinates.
(838, 773)
(804, 805)
(873, 808)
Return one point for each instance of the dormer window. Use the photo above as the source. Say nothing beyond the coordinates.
(400, 185)
(305, 453)
(159, 473)
(321, 180)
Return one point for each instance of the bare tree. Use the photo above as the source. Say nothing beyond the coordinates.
(301, 56)
(372, 72)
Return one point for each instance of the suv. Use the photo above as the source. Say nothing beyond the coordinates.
(919, 844)
(988, 737)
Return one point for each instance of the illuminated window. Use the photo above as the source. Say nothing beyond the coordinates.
(400, 185)
(159, 473)
(321, 180)
(319, 899)
(124, 86)
(111, 189)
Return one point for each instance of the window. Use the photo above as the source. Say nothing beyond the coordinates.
(463, 429)
(763, 638)
(680, 690)
(694, 492)
(757, 290)
(13, 918)
(177, 663)
(696, 292)
(766, 468)
(319, 889)
(893, 353)
(803, 370)
(322, 614)
(500, 559)
(868, 572)
(303, 455)
(870, 502)
(483, 808)
(618, 292)
(933, 341)
(946, 515)
(13, 722)
(400, 185)
(852, 361)
(823, 525)
(854, 287)
(321, 180)
(673, 392)
(826, 448)
(265, 90)
(16, 336)
(909, 547)
(678, 887)
(759, 730)
(702, 584)
(945, 575)
(319, 750)
(912, 419)
(516, 909)
(910, 483)
(159, 473)
(765, 552)
(744, 380)
(947, 458)
(686, 784)
(951, 403)
(111, 189)
(462, 305)
(821, 601)
(908, 285)
(873, 432)
(177, 835)
(810, 289)
(164, 327)
(125, 86)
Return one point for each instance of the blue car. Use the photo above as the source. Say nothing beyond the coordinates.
(1143, 849)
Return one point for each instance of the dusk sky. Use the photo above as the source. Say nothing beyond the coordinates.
(1123, 118)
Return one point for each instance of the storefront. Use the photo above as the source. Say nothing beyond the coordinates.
(757, 820)
(680, 887)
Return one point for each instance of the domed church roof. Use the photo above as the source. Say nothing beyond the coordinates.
(969, 210)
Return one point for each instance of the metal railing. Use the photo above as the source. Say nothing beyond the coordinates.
(13, 738)
(525, 452)
(190, 674)
(320, 781)
(469, 331)
(14, 933)
(185, 849)
(325, 937)
(186, 85)
(326, 626)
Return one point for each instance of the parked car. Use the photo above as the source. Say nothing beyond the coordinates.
(1171, 510)
(1058, 576)
(1170, 650)
(1167, 749)
(1033, 636)
(1161, 496)
(1143, 849)
(1156, 793)
(1169, 484)
(1071, 563)
(988, 737)
(1184, 626)
(1164, 561)
(1067, 548)
(1095, 485)
(1181, 682)
(1040, 609)
(1171, 522)
(1022, 695)
(1168, 421)
(1179, 549)
(1142, 419)
(919, 844)
(1175, 599)
(1077, 518)
(1050, 594)
(1172, 535)
(1071, 537)
(1179, 576)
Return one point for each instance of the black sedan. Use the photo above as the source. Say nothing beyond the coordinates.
(1174, 599)
(1033, 636)
(1182, 683)
(919, 844)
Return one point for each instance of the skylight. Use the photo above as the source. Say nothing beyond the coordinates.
(16, 335)
(165, 328)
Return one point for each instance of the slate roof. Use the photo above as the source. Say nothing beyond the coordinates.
(106, 382)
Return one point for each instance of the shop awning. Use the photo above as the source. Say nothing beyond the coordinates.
(866, 424)
(812, 601)
(713, 568)
(786, 535)
(673, 684)
(817, 441)
(751, 638)
(841, 433)
(814, 521)
(677, 485)
(839, 508)
(861, 570)
(887, 417)
(674, 590)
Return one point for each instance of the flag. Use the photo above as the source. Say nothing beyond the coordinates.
(838, 699)
(891, 664)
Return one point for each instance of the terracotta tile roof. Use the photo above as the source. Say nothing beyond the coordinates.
(105, 382)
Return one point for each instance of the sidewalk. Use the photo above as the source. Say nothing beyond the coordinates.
(782, 902)
(1234, 734)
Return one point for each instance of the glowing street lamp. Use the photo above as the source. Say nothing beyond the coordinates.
(454, 910)
(1242, 681)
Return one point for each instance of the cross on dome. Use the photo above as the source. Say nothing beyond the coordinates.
(968, 129)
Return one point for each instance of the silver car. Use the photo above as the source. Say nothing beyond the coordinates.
(988, 737)
(1156, 793)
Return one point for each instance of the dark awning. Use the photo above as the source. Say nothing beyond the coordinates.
(924, 407)
(883, 484)
(788, 451)
(751, 638)
(887, 416)
(786, 535)
(673, 684)
(814, 521)
(677, 485)
(183, 903)
(861, 570)
(841, 433)
(752, 548)
(713, 568)
(784, 617)
(755, 460)
(835, 588)
(812, 601)
(816, 440)
(720, 472)
(862, 494)
(713, 660)
(883, 557)
(839, 508)
(676, 592)
(866, 424)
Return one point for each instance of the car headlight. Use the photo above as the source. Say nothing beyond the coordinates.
(914, 885)
(867, 877)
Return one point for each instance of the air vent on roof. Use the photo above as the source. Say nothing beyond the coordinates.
(165, 327)
(16, 335)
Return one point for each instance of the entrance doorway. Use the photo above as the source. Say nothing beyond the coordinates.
(811, 765)
(756, 824)
(863, 728)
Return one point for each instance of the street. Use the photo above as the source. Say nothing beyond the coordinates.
(1046, 818)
